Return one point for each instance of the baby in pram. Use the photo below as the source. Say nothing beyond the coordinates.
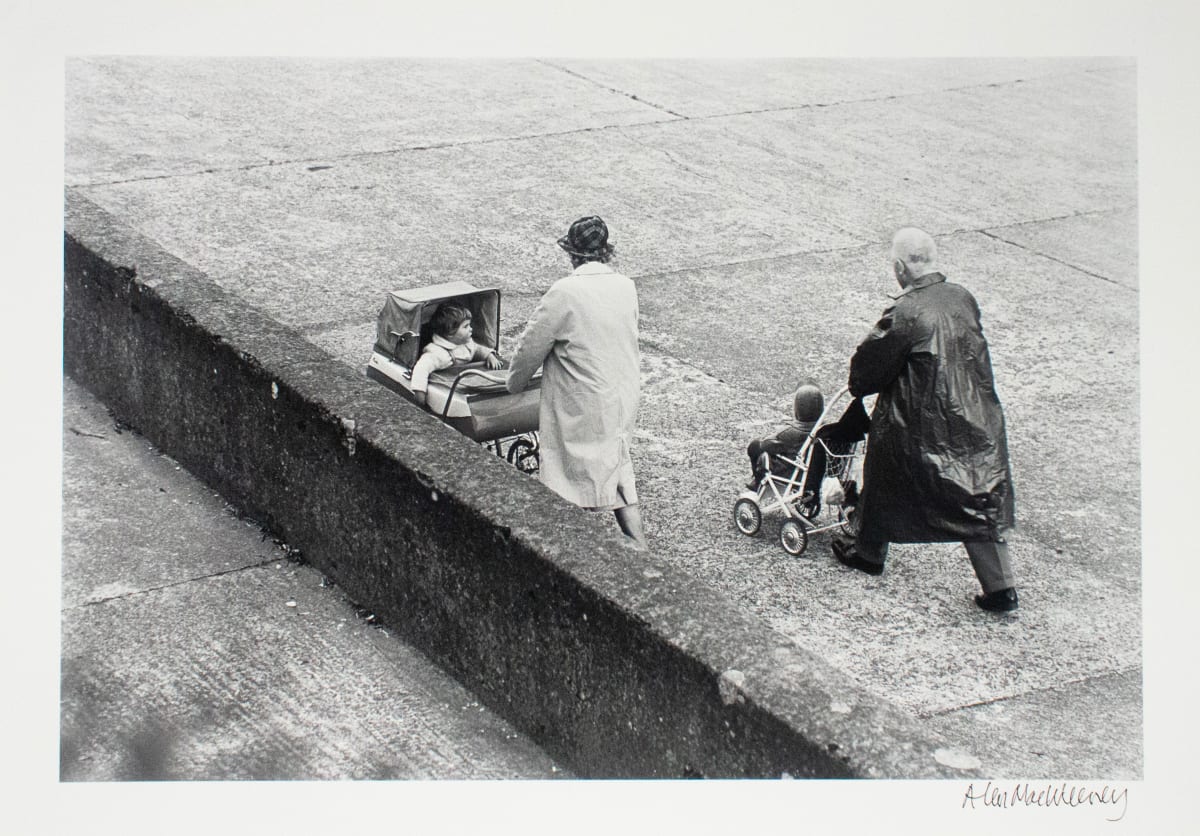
(451, 344)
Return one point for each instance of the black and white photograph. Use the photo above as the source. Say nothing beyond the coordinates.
(554, 424)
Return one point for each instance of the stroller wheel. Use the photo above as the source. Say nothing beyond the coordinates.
(793, 537)
(808, 506)
(747, 516)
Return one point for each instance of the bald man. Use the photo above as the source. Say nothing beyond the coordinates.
(936, 468)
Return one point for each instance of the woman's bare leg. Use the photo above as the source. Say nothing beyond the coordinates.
(630, 520)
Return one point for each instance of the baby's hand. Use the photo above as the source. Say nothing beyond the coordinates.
(494, 361)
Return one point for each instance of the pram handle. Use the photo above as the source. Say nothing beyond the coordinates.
(829, 405)
(491, 378)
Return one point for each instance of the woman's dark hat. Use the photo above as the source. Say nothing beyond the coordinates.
(587, 237)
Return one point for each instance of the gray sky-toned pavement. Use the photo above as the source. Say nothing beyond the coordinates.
(753, 202)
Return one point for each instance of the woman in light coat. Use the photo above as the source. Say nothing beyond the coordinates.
(584, 334)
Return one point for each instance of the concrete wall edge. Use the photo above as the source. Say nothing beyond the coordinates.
(570, 645)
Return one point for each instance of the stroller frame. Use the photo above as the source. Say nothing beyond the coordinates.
(784, 491)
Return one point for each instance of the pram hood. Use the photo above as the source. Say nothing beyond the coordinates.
(408, 312)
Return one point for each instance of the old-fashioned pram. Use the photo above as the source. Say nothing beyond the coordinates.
(783, 488)
(470, 397)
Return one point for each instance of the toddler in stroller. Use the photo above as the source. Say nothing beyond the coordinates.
(790, 467)
(807, 405)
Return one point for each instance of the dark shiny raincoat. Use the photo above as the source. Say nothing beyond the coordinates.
(936, 467)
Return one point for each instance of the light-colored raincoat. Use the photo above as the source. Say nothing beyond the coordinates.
(584, 333)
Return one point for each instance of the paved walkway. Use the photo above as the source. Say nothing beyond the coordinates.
(194, 648)
(753, 202)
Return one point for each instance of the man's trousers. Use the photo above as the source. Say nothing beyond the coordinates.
(990, 561)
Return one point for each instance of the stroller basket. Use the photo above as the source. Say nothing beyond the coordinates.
(839, 458)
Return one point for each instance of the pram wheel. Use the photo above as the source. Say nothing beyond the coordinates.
(523, 455)
(793, 536)
(747, 516)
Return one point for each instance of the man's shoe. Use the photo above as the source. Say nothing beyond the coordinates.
(1002, 600)
(846, 556)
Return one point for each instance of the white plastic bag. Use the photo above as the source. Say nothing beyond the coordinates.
(831, 491)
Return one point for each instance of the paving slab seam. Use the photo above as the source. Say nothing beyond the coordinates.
(666, 152)
(360, 155)
(613, 661)
(549, 134)
(624, 93)
(83, 434)
(1082, 213)
(766, 259)
(966, 88)
(848, 248)
(182, 582)
(984, 230)
(1061, 261)
(148, 178)
(866, 245)
(1058, 686)
(314, 328)
(654, 345)
(843, 102)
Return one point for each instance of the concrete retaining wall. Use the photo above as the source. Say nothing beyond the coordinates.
(613, 662)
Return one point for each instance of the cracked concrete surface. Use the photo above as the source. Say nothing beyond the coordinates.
(756, 224)
(194, 649)
(628, 95)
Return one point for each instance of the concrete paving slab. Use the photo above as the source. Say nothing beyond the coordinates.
(169, 540)
(913, 635)
(1054, 368)
(1108, 705)
(962, 159)
(137, 117)
(698, 88)
(699, 410)
(1080, 580)
(1103, 244)
(727, 190)
(624, 669)
(759, 243)
(194, 667)
(421, 218)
